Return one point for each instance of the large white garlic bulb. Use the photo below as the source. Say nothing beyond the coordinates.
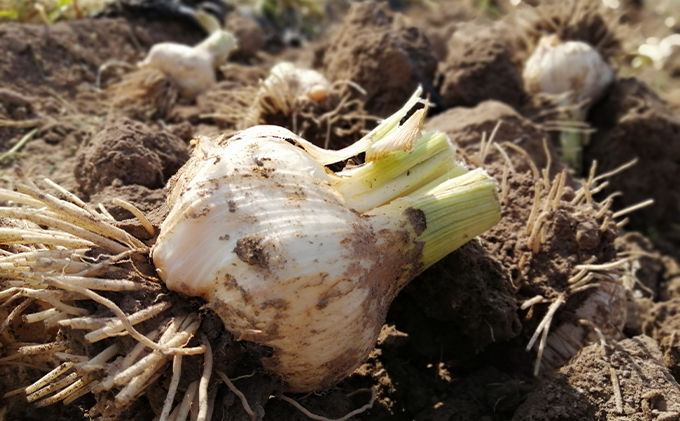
(259, 229)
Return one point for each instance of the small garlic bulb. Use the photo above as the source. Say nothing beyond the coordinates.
(577, 75)
(191, 68)
(557, 67)
(299, 83)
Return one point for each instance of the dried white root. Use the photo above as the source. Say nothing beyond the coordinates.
(357, 411)
(605, 308)
(238, 393)
(48, 259)
(116, 327)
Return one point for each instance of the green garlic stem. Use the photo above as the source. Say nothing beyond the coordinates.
(398, 174)
(455, 211)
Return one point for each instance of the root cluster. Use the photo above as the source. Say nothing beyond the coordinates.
(64, 258)
(65, 265)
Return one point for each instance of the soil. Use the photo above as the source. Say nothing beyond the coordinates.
(632, 111)
(385, 44)
(126, 152)
(466, 126)
(608, 381)
(454, 345)
(479, 66)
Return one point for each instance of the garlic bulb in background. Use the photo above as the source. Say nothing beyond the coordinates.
(575, 72)
(306, 261)
(300, 83)
(191, 68)
(660, 51)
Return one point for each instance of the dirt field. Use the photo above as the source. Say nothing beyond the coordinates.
(454, 346)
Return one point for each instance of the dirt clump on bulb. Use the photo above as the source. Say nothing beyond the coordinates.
(634, 123)
(606, 381)
(126, 152)
(373, 42)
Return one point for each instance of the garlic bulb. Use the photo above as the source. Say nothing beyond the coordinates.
(575, 72)
(661, 52)
(192, 68)
(557, 67)
(274, 241)
(300, 83)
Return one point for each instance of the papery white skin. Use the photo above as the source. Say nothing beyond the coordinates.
(557, 68)
(577, 75)
(257, 230)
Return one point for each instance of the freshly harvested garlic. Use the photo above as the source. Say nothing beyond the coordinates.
(273, 240)
(558, 67)
(577, 74)
(192, 68)
(300, 83)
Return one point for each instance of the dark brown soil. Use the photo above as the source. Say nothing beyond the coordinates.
(380, 51)
(454, 344)
(624, 379)
(126, 152)
(480, 67)
(457, 307)
(632, 123)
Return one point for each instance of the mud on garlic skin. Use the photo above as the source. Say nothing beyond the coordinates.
(280, 257)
